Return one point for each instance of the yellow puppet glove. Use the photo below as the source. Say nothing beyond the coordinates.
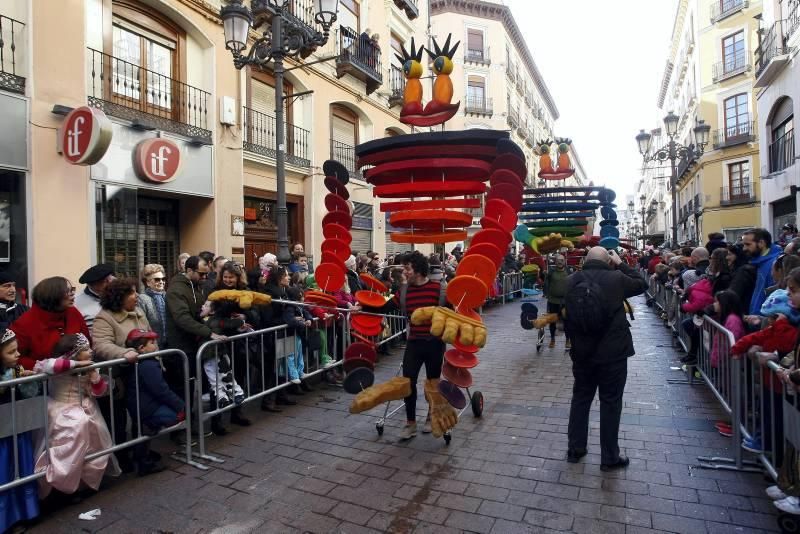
(244, 298)
(397, 388)
(443, 416)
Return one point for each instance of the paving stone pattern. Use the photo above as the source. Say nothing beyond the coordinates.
(316, 468)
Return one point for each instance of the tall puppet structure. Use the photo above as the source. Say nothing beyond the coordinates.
(428, 181)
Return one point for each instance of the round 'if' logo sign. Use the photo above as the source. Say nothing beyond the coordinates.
(157, 160)
(85, 136)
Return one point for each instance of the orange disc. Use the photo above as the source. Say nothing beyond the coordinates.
(330, 277)
(465, 348)
(491, 251)
(478, 266)
(372, 282)
(469, 314)
(495, 237)
(461, 359)
(467, 291)
(337, 247)
(500, 210)
(370, 298)
(318, 297)
(418, 238)
(460, 377)
(363, 324)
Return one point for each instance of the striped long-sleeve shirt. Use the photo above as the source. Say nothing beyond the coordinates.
(427, 294)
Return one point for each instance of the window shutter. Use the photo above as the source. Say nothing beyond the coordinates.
(262, 97)
(475, 40)
(344, 131)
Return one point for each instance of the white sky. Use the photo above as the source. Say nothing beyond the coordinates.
(602, 61)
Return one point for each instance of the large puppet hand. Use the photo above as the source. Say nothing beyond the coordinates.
(397, 388)
(244, 298)
(545, 319)
(443, 416)
(449, 325)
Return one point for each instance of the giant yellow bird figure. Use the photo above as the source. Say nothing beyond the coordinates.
(442, 67)
(412, 70)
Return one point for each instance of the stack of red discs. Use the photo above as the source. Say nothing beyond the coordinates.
(330, 274)
(368, 325)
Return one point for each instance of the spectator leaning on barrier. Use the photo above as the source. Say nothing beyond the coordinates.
(758, 245)
(52, 315)
(698, 265)
(153, 301)
(601, 345)
(96, 279)
(715, 240)
(718, 271)
(10, 310)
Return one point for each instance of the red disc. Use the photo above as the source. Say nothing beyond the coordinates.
(337, 231)
(318, 297)
(511, 162)
(429, 237)
(460, 359)
(337, 247)
(505, 176)
(478, 266)
(363, 324)
(467, 291)
(490, 250)
(330, 257)
(441, 203)
(334, 202)
(330, 277)
(495, 237)
(460, 377)
(451, 188)
(428, 169)
(362, 338)
(469, 314)
(372, 283)
(342, 218)
(360, 350)
(502, 212)
(370, 298)
(465, 348)
(507, 193)
(430, 219)
(354, 363)
(488, 222)
(336, 187)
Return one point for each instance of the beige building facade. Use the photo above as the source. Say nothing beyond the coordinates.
(159, 69)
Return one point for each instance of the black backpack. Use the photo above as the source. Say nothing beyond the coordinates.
(586, 310)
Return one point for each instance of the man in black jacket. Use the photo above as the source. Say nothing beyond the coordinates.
(10, 310)
(600, 361)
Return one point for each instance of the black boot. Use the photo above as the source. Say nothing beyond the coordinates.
(282, 400)
(238, 418)
(217, 427)
(305, 387)
(268, 404)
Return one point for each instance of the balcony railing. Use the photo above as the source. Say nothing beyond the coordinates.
(359, 56)
(721, 9)
(530, 139)
(773, 44)
(685, 163)
(130, 92)
(397, 86)
(513, 117)
(732, 66)
(735, 135)
(10, 63)
(781, 152)
(259, 135)
(697, 207)
(520, 84)
(793, 22)
(303, 11)
(477, 55)
(511, 71)
(409, 6)
(737, 194)
(479, 106)
(346, 155)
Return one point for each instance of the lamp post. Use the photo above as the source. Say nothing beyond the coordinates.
(284, 35)
(642, 210)
(673, 151)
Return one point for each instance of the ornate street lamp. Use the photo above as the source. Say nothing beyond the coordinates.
(673, 151)
(284, 35)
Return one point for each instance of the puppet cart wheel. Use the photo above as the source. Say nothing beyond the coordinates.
(379, 428)
(789, 523)
(477, 404)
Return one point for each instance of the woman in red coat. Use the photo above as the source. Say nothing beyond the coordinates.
(52, 315)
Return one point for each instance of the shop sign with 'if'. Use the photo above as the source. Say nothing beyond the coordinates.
(157, 160)
(85, 136)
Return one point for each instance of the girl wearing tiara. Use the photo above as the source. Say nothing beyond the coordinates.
(20, 503)
(76, 428)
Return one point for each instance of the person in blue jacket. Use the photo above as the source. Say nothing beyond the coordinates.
(758, 245)
(158, 405)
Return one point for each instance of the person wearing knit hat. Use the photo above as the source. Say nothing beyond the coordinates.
(10, 310)
(96, 279)
(353, 281)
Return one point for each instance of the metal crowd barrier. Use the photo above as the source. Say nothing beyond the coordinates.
(510, 285)
(30, 415)
(273, 347)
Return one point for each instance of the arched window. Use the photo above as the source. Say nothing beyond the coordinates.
(781, 148)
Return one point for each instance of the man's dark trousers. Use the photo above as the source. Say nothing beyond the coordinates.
(610, 379)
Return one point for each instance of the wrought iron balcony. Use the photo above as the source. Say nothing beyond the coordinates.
(735, 135)
(130, 92)
(698, 208)
(513, 117)
(686, 163)
(480, 56)
(530, 139)
(358, 56)
(259, 137)
(771, 51)
(479, 106)
(520, 84)
(782, 152)
(730, 67)
(511, 71)
(11, 32)
(738, 194)
(346, 155)
(409, 6)
(397, 86)
(721, 9)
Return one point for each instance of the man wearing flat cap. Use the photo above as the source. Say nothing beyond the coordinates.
(96, 279)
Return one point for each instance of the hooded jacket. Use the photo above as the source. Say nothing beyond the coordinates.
(38, 331)
(763, 265)
(616, 342)
(698, 297)
(185, 330)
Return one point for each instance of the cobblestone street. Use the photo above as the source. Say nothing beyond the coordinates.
(316, 468)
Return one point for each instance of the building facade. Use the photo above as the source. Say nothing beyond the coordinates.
(710, 76)
(778, 82)
(159, 70)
